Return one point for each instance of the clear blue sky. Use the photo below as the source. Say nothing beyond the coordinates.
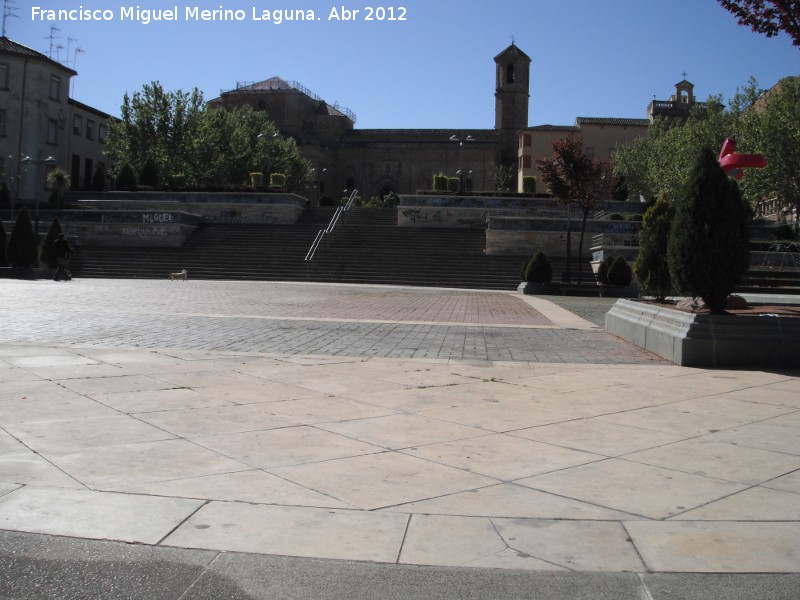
(591, 58)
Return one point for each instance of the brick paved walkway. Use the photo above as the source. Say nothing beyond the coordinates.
(300, 319)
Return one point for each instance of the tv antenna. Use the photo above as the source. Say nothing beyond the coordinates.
(8, 11)
(52, 37)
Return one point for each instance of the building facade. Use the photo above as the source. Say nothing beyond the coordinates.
(403, 161)
(41, 128)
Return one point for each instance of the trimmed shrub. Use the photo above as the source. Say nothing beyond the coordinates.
(48, 252)
(440, 182)
(99, 179)
(5, 196)
(602, 270)
(257, 179)
(537, 269)
(277, 180)
(529, 184)
(149, 176)
(126, 178)
(708, 248)
(22, 248)
(453, 184)
(652, 267)
(619, 272)
(784, 233)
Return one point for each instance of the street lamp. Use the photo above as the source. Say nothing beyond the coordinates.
(27, 160)
(461, 169)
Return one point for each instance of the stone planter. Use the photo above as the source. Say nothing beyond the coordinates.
(707, 340)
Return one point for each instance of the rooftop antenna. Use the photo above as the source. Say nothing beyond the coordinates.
(70, 39)
(8, 11)
(52, 37)
(78, 50)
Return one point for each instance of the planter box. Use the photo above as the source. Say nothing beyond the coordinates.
(706, 340)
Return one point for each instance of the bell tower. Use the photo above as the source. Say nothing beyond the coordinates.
(512, 93)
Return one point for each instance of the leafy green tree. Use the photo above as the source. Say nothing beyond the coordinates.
(658, 164)
(48, 252)
(149, 175)
(22, 250)
(708, 247)
(770, 127)
(156, 125)
(651, 266)
(571, 175)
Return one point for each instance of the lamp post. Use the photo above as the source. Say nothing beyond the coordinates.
(264, 137)
(461, 169)
(27, 160)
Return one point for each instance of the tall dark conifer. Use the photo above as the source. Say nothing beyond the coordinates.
(708, 247)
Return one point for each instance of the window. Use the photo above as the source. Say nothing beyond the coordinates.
(52, 132)
(89, 129)
(102, 132)
(2, 122)
(526, 140)
(511, 76)
(55, 88)
(526, 161)
(3, 76)
(77, 124)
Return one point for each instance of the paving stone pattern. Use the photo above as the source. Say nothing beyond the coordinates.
(301, 319)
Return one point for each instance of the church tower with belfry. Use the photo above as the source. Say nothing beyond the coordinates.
(512, 93)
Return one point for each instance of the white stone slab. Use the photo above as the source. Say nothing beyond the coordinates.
(196, 422)
(254, 486)
(502, 456)
(512, 501)
(382, 480)
(314, 532)
(718, 547)
(130, 464)
(755, 504)
(720, 460)
(643, 490)
(286, 446)
(96, 515)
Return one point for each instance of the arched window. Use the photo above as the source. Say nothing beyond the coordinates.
(511, 76)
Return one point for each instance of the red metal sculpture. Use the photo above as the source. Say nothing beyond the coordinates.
(734, 163)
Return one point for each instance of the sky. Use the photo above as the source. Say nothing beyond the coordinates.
(431, 67)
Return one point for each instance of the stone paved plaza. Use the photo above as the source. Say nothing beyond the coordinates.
(446, 428)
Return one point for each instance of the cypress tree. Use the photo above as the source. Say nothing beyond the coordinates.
(48, 253)
(22, 247)
(3, 242)
(708, 249)
(651, 266)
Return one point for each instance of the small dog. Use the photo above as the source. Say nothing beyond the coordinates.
(181, 276)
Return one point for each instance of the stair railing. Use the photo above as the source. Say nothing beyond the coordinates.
(321, 235)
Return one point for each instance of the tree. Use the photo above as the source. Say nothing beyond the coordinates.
(770, 128)
(48, 252)
(178, 134)
(769, 17)
(571, 175)
(658, 164)
(156, 125)
(708, 248)
(3, 242)
(651, 266)
(22, 250)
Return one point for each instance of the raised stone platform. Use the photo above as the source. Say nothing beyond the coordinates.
(707, 340)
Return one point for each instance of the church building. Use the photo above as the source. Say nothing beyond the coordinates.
(403, 161)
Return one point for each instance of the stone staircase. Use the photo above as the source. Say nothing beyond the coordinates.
(366, 247)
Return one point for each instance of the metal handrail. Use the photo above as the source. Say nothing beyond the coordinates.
(331, 226)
